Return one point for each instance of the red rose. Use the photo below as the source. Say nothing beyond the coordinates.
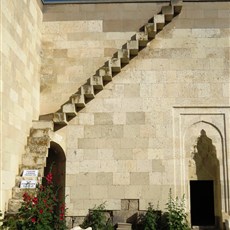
(26, 197)
(35, 200)
(33, 219)
(49, 178)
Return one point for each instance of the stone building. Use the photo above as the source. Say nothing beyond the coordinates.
(124, 121)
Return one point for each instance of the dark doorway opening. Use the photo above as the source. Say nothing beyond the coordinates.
(56, 162)
(202, 203)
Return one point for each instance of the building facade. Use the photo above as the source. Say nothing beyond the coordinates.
(160, 122)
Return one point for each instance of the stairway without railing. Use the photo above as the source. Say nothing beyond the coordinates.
(39, 140)
(113, 66)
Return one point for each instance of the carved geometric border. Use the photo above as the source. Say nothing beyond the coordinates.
(186, 116)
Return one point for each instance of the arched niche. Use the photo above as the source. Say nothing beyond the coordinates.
(56, 162)
(204, 158)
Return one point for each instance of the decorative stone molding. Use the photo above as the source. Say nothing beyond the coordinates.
(189, 124)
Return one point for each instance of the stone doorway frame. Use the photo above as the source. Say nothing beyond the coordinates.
(217, 119)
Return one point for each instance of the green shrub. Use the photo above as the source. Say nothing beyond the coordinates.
(150, 219)
(176, 216)
(97, 219)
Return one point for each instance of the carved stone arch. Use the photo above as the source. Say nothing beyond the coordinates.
(205, 159)
(192, 133)
(56, 162)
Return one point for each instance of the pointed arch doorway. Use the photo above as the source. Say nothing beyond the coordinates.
(204, 176)
(189, 121)
(56, 161)
(205, 191)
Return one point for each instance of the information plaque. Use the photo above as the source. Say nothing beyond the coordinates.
(28, 184)
(30, 173)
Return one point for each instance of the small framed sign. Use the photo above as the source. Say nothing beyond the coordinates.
(28, 184)
(30, 173)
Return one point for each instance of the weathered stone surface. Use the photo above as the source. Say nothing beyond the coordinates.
(20, 85)
(135, 139)
(14, 205)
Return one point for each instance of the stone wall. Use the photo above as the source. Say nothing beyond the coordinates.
(72, 52)
(122, 145)
(20, 82)
(131, 142)
(117, 17)
(125, 144)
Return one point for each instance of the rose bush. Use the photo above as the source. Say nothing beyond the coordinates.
(41, 210)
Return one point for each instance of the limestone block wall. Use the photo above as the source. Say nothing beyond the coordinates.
(122, 145)
(78, 38)
(20, 67)
(116, 17)
(72, 52)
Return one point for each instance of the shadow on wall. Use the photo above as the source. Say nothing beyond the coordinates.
(208, 169)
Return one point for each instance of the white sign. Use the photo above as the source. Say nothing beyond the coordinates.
(30, 173)
(28, 184)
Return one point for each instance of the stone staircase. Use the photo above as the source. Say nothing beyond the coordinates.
(113, 66)
(35, 155)
(39, 140)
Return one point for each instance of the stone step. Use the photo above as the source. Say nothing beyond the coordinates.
(97, 82)
(39, 167)
(159, 21)
(151, 30)
(142, 38)
(133, 47)
(43, 124)
(106, 73)
(114, 64)
(70, 110)
(168, 12)
(40, 141)
(35, 159)
(40, 150)
(17, 193)
(57, 118)
(42, 155)
(124, 55)
(177, 5)
(87, 91)
(79, 100)
(14, 205)
(40, 132)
